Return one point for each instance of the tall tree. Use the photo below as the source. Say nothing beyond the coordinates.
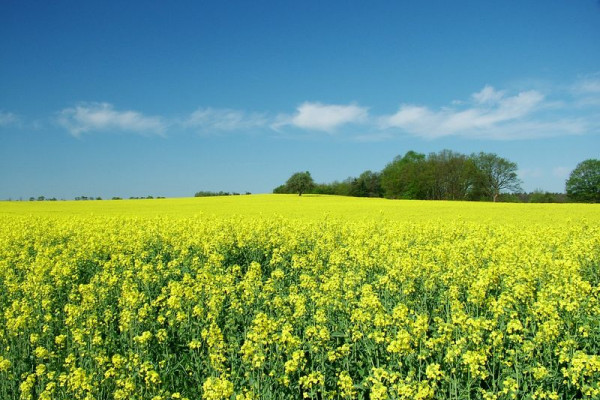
(366, 185)
(449, 175)
(300, 182)
(495, 174)
(584, 182)
(403, 178)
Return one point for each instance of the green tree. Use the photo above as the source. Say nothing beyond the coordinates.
(366, 185)
(449, 175)
(300, 182)
(404, 177)
(281, 189)
(584, 182)
(540, 196)
(494, 175)
(334, 188)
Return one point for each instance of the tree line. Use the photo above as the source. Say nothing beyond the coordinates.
(446, 175)
(206, 193)
(86, 198)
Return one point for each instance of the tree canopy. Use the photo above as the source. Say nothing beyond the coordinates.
(403, 178)
(445, 175)
(584, 182)
(495, 174)
(300, 182)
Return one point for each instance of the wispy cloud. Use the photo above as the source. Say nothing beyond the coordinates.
(489, 114)
(488, 95)
(586, 91)
(102, 117)
(323, 117)
(8, 118)
(210, 120)
(589, 84)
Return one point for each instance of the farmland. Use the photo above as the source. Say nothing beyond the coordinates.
(288, 297)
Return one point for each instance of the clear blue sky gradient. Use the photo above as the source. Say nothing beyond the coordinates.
(136, 98)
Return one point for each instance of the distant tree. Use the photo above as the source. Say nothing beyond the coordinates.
(336, 188)
(368, 184)
(205, 193)
(341, 188)
(540, 196)
(300, 182)
(404, 178)
(584, 182)
(281, 189)
(510, 198)
(495, 174)
(321, 188)
(448, 175)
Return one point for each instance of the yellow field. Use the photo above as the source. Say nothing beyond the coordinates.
(312, 207)
(287, 297)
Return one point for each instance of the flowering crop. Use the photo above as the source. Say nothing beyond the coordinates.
(405, 301)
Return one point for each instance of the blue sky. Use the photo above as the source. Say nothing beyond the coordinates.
(107, 98)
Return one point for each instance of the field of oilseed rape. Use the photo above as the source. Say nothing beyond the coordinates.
(287, 297)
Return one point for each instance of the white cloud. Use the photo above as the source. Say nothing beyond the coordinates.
(323, 117)
(488, 95)
(100, 117)
(589, 85)
(211, 119)
(7, 118)
(492, 114)
(587, 91)
(486, 114)
(532, 129)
